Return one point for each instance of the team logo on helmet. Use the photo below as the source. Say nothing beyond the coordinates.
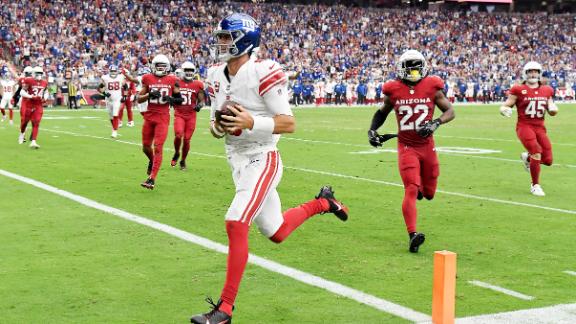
(235, 35)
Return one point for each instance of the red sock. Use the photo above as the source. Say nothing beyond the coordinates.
(115, 123)
(157, 160)
(185, 149)
(35, 127)
(177, 142)
(294, 217)
(535, 170)
(121, 112)
(129, 111)
(3, 112)
(409, 207)
(11, 114)
(237, 259)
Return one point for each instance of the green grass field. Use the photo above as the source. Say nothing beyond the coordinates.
(63, 262)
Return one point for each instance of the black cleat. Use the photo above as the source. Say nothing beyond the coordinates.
(175, 159)
(336, 207)
(215, 316)
(183, 165)
(148, 184)
(149, 170)
(420, 195)
(415, 241)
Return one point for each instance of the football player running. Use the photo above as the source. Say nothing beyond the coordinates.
(262, 113)
(111, 88)
(532, 100)
(7, 89)
(413, 97)
(34, 95)
(192, 92)
(160, 90)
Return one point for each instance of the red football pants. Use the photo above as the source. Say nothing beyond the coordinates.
(535, 140)
(419, 169)
(154, 131)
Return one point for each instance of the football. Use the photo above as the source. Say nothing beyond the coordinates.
(224, 111)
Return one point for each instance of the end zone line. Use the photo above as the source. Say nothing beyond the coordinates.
(339, 175)
(500, 289)
(572, 273)
(304, 277)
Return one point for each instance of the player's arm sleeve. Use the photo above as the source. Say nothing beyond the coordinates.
(273, 88)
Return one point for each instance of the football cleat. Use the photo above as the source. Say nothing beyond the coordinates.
(21, 138)
(215, 316)
(415, 241)
(524, 157)
(148, 184)
(114, 134)
(536, 190)
(175, 159)
(149, 170)
(120, 124)
(131, 124)
(34, 145)
(183, 165)
(420, 195)
(336, 207)
(11, 122)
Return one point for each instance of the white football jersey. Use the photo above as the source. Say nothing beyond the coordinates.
(8, 87)
(261, 87)
(113, 86)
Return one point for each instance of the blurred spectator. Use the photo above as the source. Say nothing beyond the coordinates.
(72, 40)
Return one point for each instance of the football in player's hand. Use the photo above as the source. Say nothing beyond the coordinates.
(224, 110)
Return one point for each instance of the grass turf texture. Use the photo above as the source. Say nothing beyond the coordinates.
(63, 262)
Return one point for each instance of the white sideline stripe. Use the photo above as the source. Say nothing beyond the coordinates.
(312, 280)
(338, 175)
(500, 289)
(557, 314)
(572, 273)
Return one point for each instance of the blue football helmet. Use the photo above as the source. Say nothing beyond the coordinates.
(244, 32)
(113, 71)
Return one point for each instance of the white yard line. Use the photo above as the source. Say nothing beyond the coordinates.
(572, 273)
(339, 175)
(500, 289)
(439, 152)
(304, 277)
(557, 314)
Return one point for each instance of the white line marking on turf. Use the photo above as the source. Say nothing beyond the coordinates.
(375, 151)
(312, 280)
(572, 273)
(557, 314)
(500, 289)
(338, 175)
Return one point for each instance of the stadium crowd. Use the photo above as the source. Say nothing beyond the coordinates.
(315, 43)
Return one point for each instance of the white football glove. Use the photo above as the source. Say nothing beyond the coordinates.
(505, 111)
(552, 108)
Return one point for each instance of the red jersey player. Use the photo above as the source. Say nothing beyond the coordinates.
(128, 91)
(192, 92)
(413, 97)
(160, 90)
(34, 96)
(532, 100)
